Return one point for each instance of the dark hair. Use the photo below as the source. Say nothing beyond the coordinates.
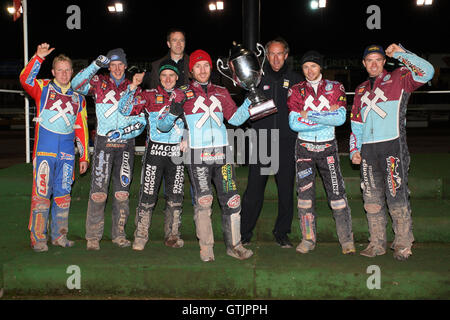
(173, 30)
(279, 40)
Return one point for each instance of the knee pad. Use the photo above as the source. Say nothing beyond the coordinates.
(174, 205)
(99, 197)
(63, 202)
(234, 202)
(39, 204)
(372, 208)
(205, 201)
(304, 204)
(121, 195)
(338, 204)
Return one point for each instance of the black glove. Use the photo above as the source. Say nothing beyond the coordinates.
(176, 108)
(134, 69)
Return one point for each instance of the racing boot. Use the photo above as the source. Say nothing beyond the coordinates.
(343, 219)
(305, 246)
(63, 242)
(40, 246)
(373, 250)
(95, 221)
(402, 253)
(203, 226)
(308, 227)
(231, 225)
(39, 213)
(206, 253)
(377, 231)
(120, 213)
(139, 244)
(402, 225)
(239, 252)
(172, 224)
(122, 242)
(142, 221)
(348, 248)
(93, 244)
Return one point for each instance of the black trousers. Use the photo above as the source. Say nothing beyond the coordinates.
(253, 198)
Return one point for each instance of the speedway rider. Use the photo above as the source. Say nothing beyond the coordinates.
(204, 107)
(378, 143)
(316, 107)
(61, 119)
(111, 156)
(157, 163)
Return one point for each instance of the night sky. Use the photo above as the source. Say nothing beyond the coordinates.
(339, 30)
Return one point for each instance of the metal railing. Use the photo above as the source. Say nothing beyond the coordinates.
(141, 149)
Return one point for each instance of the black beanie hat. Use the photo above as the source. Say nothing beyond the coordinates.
(312, 56)
(168, 64)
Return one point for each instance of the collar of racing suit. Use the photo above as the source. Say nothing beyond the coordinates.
(372, 80)
(315, 83)
(117, 81)
(64, 89)
(204, 85)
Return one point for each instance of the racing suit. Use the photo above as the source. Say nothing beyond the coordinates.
(316, 146)
(157, 164)
(111, 156)
(61, 119)
(378, 121)
(204, 112)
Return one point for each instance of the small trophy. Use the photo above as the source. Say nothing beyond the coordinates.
(246, 72)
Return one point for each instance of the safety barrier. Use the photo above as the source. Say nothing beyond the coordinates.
(440, 108)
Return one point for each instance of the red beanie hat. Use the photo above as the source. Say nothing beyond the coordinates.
(198, 55)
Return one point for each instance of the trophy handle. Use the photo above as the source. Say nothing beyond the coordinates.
(220, 66)
(261, 50)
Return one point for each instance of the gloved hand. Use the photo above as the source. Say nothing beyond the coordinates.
(134, 69)
(176, 108)
(102, 61)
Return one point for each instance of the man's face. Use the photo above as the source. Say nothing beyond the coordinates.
(201, 71)
(374, 64)
(168, 79)
(176, 43)
(62, 72)
(311, 70)
(276, 55)
(117, 69)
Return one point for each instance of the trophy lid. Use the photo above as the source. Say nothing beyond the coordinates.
(238, 50)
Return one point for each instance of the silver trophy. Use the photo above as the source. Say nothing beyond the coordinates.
(246, 71)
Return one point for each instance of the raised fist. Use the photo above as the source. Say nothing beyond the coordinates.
(44, 50)
(102, 61)
(393, 48)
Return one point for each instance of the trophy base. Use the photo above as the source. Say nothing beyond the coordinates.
(262, 110)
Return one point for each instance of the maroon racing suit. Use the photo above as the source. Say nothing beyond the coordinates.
(205, 108)
(316, 148)
(378, 121)
(157, 164)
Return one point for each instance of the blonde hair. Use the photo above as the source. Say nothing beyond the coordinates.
(60, 58)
